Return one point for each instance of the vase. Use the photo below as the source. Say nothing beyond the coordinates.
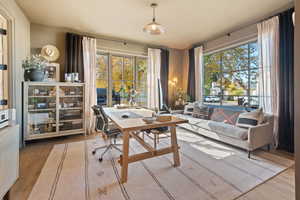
(34, 75)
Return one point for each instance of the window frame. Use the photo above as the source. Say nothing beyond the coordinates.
(133, 58)
(222, 71)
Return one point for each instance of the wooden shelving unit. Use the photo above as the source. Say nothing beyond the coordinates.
(52, 109)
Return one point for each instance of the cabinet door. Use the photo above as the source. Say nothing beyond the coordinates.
(71, 109)
(41, 111)
(9, 158)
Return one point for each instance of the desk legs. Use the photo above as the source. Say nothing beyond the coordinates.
(124, 172)
(175, 146)
(125, 155)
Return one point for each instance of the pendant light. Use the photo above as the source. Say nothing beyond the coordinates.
(154, 28)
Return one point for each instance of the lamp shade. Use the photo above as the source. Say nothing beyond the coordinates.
(154, 28)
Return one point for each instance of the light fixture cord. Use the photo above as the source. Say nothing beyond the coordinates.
(153, 19)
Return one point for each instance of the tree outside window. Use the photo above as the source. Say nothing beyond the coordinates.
(231, 76)
(117, 75)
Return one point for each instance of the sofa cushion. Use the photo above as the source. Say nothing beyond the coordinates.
(250, 119)
(188, 109)
(228, 130)
(201, 111)
(225, 115)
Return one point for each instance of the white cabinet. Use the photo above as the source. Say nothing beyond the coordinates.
(52, 109)
(9, 158)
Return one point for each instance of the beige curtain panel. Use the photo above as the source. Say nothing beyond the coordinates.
(268, 48)
(89, 63)
(153, 76)
(199, 73)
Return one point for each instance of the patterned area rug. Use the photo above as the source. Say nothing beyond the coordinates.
(208, 171)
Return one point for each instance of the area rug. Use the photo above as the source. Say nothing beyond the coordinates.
(209, 171)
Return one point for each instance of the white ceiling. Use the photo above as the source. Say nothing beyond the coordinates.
(186, 21)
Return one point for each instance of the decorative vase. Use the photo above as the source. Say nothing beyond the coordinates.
(34, 75)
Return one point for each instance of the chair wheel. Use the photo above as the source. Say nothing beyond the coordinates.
(100, 159)
(93, 152)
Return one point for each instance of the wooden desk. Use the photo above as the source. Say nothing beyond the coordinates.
(130, 126)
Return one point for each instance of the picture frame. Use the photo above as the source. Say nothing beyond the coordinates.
(53, 72)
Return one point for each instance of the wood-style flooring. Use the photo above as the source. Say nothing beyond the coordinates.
(34, 156)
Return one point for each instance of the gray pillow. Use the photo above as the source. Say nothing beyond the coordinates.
(201, 111)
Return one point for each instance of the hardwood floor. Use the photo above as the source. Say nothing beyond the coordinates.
(34, 156)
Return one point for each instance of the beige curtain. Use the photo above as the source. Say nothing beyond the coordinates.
(89, 63)
(199, 73)
(268, 49)
(153, 78)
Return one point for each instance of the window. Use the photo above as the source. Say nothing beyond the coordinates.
(231, 76)
(117, 75)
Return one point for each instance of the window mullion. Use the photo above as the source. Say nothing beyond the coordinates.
(249, 75)
(134, 72)
(110, 82)
(222, 78)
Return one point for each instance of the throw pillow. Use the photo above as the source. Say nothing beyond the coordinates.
(225, 115)
(188, 109)
(250, 119)
(201, 111)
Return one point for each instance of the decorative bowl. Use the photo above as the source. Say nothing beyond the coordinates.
(149, 120)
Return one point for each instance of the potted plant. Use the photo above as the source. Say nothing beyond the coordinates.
(34, 67)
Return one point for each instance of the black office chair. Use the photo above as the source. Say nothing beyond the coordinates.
(102, 124)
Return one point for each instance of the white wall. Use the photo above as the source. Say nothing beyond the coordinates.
(42, 35)
(19, 37)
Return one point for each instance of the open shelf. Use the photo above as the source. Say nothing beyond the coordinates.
(71, 96)
(46, 109)
(74, 131)
(71, 120)
(41, 96)
(72, 108)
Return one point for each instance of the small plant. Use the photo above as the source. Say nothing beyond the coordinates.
(35, 62)
(180, 97)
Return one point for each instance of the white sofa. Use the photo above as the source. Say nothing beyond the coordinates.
(249, 139)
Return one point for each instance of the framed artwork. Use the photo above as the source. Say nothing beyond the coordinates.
(52, 72)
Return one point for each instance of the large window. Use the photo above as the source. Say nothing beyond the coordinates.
(117, 75)
(231, 76)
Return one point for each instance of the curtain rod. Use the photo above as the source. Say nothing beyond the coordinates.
(124, 42)
(122, 52)
(241, 28)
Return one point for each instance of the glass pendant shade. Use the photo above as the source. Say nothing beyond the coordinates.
(154, 28)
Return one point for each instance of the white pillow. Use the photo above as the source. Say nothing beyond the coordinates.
(250, 119)
(188, 109)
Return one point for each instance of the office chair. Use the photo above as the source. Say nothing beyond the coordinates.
(103, 125)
